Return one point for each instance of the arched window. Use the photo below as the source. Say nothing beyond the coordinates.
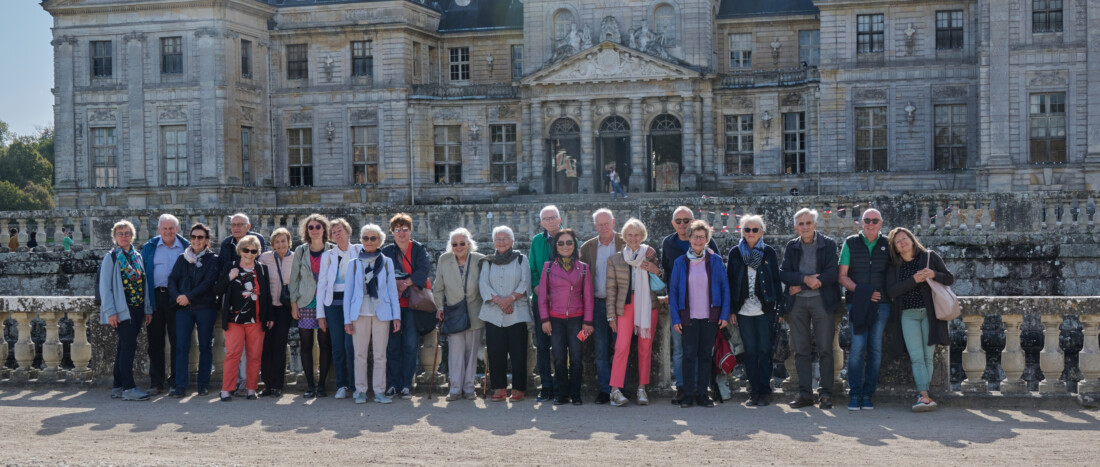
(615, 126)
(564, 128)
(562, 20)
(664, 22)
(665, 124)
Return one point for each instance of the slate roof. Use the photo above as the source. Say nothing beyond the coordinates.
(750, 8)
(481, 15)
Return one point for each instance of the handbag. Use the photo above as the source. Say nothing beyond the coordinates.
(944, 300)
(420, 298)
(724, 360)
(456, 317)
(656, 285)
(780, 344)
(284, 289)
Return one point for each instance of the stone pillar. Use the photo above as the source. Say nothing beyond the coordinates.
(526, 173)
(1012, 358)
(973, 357)
(997, 115)
(40, 233)
(838, 358)
(538, 163)
(64, 117)
(709, 163)
(1051, 359)
(135, 109)
(430, 353)
(638, 176)
(81, 349)
(1089, 357)
(588, 163)
(208, 116)
(1092, 155)
(24, 348)
(219, 353)
(691, 163)
(51, 349)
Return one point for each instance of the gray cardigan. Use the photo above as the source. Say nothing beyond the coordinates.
(303, 289)
(448, 285)
(112, 294)
(502, 281)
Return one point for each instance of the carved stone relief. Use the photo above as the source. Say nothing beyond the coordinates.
(206, 31)
(609, 30)
(948, 92)
(304, 116)
(792, 99)
(101, 115)
(1047, 79)
(172, 112)
(446, 113)
(63, 40)
(248, 114)
(502, 112)
(738, 102)
(364, 115)
(133, 36)
(870, 94)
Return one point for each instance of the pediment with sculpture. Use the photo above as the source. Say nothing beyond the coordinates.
(608, 61)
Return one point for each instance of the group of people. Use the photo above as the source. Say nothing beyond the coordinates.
(32, 241)
(355, 299)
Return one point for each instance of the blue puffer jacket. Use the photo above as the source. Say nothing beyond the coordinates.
(719, 290)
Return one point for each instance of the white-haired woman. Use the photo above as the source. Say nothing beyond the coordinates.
(279, 263)
(246, 314)
(505, 283)
(122, 291)
(331, 284)
(371, 303)
(456, 289)
(632, 308)
(753, 272)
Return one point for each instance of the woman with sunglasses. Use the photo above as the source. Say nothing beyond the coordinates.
(456, 281)
(331, 284)
(505, 284)
(414, 266)
(192, 284)
(246, 314)
(370, 305)
(565, 309)
(273, 362)
(753, 271)
(304, 272)
(632, 309)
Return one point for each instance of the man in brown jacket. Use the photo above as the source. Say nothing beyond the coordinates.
(595, 253)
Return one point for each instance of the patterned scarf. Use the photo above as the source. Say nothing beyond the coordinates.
(693, 259)
(373, 266)
(752, 256)
(128, 263)
(191, 257)
(566, 263)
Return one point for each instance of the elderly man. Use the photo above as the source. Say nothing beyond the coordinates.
(809, 270)
(550, 219)
(159, 255)
(863, 261)
(672, 247)
(595, 252)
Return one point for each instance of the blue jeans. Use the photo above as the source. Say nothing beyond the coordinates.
(542, 353)
(127, 332)
(617, 190)
(402, 351)
(186, 320)
(677, 357)
(914, 326)
(869, 345)
(603, 339)
(343, 352)
(568, 363)
(757, 333)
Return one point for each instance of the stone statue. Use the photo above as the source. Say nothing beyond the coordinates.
(569, 44)
(641, 38)
(609, 30)
(586, 37)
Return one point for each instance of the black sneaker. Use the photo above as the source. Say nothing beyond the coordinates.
(545, 394)
(176, 394)
(801, 402)
(704, 401)
(825, 402)
(204, 391)
(267, 393)
(321, 392)
(561, 400)
(310, 393)
(686, 402)
(753, 401)
(577, 400)
(678, 397)
(763, 400)
(603, 398)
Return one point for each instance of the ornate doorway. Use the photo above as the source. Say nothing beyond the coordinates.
(614, 153)
(563, 164)
(664, 157)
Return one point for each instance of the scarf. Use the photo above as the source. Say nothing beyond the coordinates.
(643, 319)
(693, 259)
(502, 259)
(752, 256)
(566, 263)
(128, 264)
(191, 257)
(371, 271)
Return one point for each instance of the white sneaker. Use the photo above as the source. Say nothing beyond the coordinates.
(341, 393)
(360, 398)
(617, 398)
(643, 399)
(134, 394)
(924, 404)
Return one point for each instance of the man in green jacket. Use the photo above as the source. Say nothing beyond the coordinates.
(550, 219)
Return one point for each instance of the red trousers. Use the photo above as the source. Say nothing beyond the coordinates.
(238, 338)
(622, 348)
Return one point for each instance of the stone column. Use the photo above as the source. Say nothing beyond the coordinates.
(709, 163)
(538, 184)
(51, 349)
(1092, 155)
(64, 117)
(1012, 358)
(81, 349)
(208, 121)
(691, 163)
(430, 353)
(135, 109)
(526, 173)
(973, 357)
(997, 115)
(588, 162)
(1089, 358)
(638, 176)
(1051, 360)
(24, 348)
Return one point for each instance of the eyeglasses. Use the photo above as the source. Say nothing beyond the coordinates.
(125, 233)
(401, 230)
(696, 237)
(871, 220)
(198, 237)
(544, 219)
(238, 224)
(685, 220)
(805, 223)
(315, 227)
(250, 251)
(369, 238)
(751, 229)
(565, 243)
(456, 245)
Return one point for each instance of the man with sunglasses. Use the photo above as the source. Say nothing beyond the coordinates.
(674, 246)
(595, 252)
(160, 254)
(863, 261)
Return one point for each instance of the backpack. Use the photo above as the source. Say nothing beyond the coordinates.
(724, 360)
(98, 300)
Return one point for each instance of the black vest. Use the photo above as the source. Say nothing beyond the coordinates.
(866, 267)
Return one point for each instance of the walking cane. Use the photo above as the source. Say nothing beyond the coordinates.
(435, 359)
(485, 379)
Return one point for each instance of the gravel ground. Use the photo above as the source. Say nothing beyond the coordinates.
(78, 427)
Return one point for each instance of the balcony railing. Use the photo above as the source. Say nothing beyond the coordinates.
(448, 91)
(767, 78)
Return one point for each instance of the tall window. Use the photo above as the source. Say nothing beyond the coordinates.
(562, 20)
(664, 22)
(949, 29)
(794, 142)
(362, 58)
(1046, 15)
(950, 137)
(502, 153)
(101, 59)
(740, 51)
(460, 64)
(416, 61)
(173, 148)
(246, 59)
(171, 55)
(433, 64)
(297, 61)
(448, 155)
(364, 154)
(870, 36)
(517, 61)
(105, 157)
(738, 144)
(809, 47)
(871, 146)
(1048, 128)
(300, 156)
(246, 155)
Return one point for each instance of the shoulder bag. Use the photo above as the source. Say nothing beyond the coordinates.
(456, 318)
(944, 300)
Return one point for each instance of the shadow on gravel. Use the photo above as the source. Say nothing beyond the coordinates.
(950, 427)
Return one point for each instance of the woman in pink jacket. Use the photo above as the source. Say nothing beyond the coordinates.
(565, 308)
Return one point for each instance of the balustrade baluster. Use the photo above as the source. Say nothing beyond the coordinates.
(1051, 359)
(22, 236)
(1049, 218)
(973, 357)
(52, 349)
(24, 348)
(1069, 216)
(1089, 358)
(58, 235)
(838, 357)
(81, 350)
(40, 232)
(1012, 357)
(4, 233)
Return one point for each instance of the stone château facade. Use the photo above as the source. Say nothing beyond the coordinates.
(200, 103)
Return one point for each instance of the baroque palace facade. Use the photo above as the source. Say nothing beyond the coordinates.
(199, 103)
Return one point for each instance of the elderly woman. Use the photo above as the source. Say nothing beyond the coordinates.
(191, 283)
(699, 304)
(273, 361)
(565, 310)
(331, 284)
(456, 291)
(304, 272)
(504, 283)
(628, 293)
(123, 306)
(246, 314)
(413, 267)
(911, 267)
(370, 304)
(753, 272)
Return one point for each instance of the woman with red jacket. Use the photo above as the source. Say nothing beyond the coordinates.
(565, 308)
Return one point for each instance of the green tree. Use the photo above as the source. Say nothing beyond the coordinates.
(31, 197)
(22, 164)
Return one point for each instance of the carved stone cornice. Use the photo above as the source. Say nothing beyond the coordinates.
(134, 36)
(206, 31)
(62, 40)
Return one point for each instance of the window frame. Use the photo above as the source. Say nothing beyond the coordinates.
(459, 63)
(504, 170)
(669, 21)
(364, 138)
(417, 51)
(1044, 110)
(1043, 17)
(176, 176)
(742, 132)
(950, 30)
(560, 23)
(811, 49)
(297, 61)
(105, 172)
(743, 59)
(872, 151)
(450, 159)
(955, 159)
(304, 175)
(798, 136)
(246, 58)
(246, 155)
(102, 55)
(517, 61)
(171, 55)
(362, 61)
(872, 40)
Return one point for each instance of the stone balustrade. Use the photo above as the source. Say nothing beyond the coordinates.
(763, 78)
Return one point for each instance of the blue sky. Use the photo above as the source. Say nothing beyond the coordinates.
(27, 74)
